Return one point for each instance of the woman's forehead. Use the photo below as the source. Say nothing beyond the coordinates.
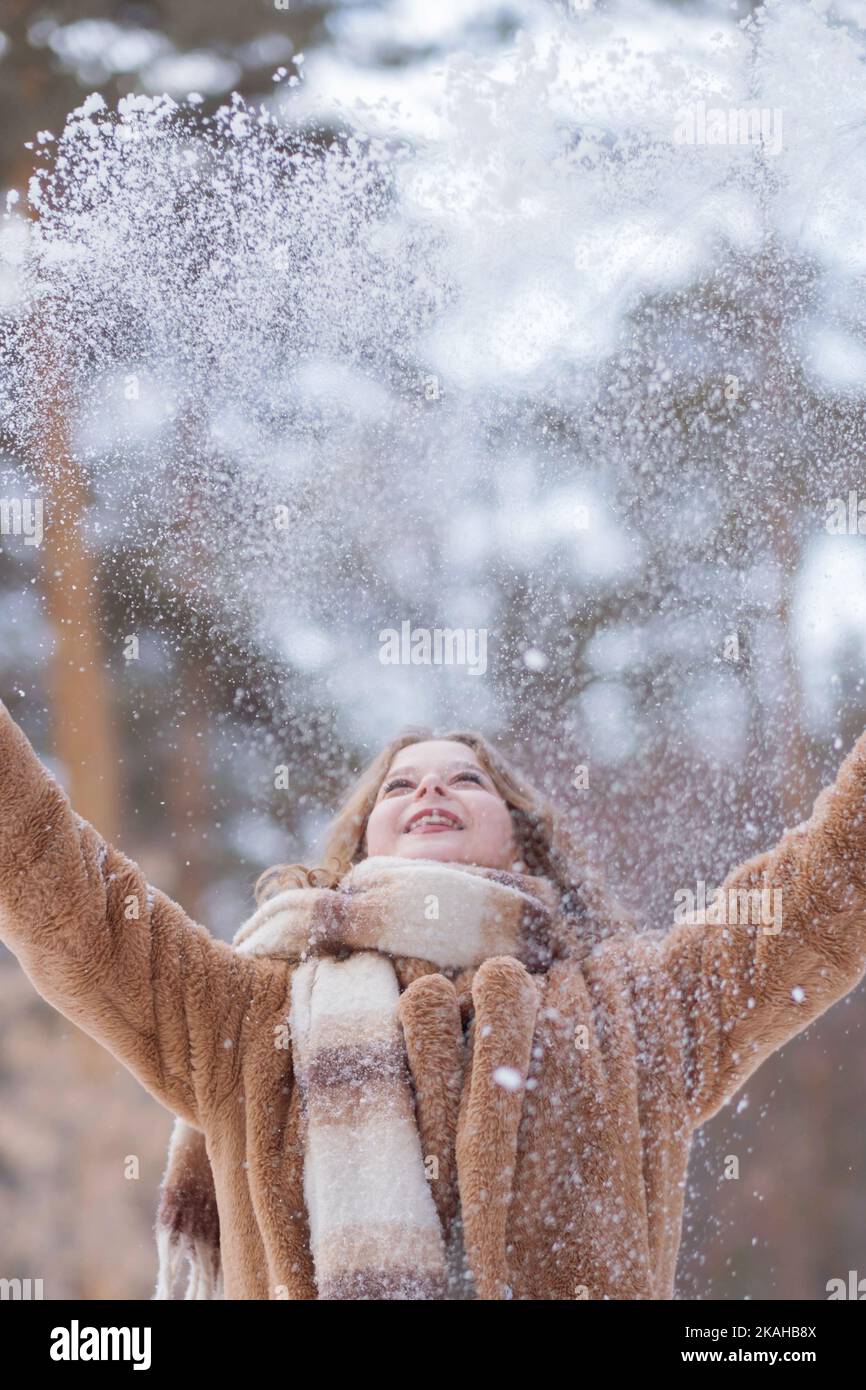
(434, 753)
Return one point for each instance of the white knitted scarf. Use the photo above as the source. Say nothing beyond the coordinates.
(375, 1232)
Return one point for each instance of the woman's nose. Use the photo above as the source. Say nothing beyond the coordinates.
(433, 783)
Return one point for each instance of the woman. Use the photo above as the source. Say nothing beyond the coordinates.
(443, 1066)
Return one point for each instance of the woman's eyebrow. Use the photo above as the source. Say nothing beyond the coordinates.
(400, 771)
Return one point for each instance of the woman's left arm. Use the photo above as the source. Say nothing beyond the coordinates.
(788, 941)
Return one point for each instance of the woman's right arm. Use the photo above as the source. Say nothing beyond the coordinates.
(116, 957)
(790, 943)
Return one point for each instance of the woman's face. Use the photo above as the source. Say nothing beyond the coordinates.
(437, 802)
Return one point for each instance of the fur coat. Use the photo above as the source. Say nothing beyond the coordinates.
(387, 1041)
(635, 1038)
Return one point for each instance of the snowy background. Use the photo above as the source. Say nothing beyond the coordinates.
(315, 322)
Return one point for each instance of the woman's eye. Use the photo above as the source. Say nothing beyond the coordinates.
(401, 782)
(469, 777)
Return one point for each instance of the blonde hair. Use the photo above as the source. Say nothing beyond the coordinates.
(543, 846)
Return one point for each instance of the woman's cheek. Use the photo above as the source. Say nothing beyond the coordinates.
(382, 828)
(496, 830)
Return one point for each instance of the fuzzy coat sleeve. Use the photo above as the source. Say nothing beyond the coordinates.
(735, 991)
(116, 957)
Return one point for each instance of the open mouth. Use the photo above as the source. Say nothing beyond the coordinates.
(435, 821)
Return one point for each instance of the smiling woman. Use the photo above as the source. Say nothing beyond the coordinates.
(458, 775)
(436, 1068)
(437, 804)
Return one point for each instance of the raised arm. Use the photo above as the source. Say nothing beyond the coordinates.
(730, 992)
(115, 956)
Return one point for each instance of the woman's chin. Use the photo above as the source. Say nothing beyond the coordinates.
(438, 846)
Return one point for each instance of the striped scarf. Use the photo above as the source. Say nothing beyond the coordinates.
(375, 1230)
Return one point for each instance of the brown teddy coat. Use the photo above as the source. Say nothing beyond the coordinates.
(637, 1039)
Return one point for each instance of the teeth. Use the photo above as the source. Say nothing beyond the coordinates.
(433, 818)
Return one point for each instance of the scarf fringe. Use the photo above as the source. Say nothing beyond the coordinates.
(205, 1280)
